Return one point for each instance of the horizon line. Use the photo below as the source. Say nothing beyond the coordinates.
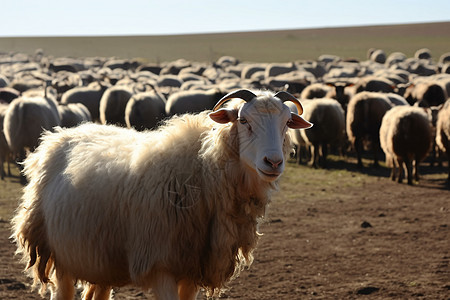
(227, 32)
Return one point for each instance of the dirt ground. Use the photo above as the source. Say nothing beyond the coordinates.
(329, 234)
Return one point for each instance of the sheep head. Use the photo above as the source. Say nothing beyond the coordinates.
(261, 121)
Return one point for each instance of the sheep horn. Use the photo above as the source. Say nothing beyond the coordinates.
(243, 94)
(285, 96)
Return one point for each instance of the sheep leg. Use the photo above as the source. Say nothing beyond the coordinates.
(359, 149)
(64, 287)
(102, 293)
(165, 288)
(315, 156)
(400, 170)
(448, 160)
(409, 170)
(324, 154)
(394, 169)
(97, 292)
(187, 290)
(9, 166)
(2, 170)
(416, 170)
(376, 149)
(88, 292)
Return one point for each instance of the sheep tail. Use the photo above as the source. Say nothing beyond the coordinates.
(30, 235)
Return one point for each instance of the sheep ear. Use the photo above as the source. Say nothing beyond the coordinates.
(298, 122)
(224, 115)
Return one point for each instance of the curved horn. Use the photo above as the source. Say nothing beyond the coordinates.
(285, 96)
(243, 94)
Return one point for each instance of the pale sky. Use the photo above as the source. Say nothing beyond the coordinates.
(148, 17)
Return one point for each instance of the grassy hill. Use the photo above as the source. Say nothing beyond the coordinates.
(262, 46)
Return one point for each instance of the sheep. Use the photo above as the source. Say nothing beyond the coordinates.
(73, 114)
(145, 110)
(8, 94)
(419, 67)
(315, 90)
(275, 69)
(423, 53)
(374, 84)
(111, 206)
(251, 69)
(175, 67)
(378, 56)
(364, 114)
(405, 137)
(192, 101)
(444, 58)
(113, 104)
(89, 96)
(25, 120)
(395, 58)
(226, 61)
(443, 132)
(297, 141)
(425, 94)
(340, 92)
(396, 99)
(169, 81)
(329, 118)
(153, 68)
(4, 81)
(5, 153)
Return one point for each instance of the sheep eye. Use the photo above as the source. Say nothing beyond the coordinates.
(243, 121)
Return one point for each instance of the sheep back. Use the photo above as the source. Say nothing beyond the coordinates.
(73, 114)
(328, 118)
(192, 101)
(113, 104)
(145, 110)
(364, 114)
(25, 120)
(89, 96)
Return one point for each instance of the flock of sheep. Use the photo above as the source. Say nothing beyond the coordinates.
(184, 222)
(138, 95)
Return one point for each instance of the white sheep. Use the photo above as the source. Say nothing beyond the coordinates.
(425, 93)
(73, 114)
(89, 96)
(113, 104)
(315, 90)
(192, 101)
(295, 135)
(405, 137)
(364, 114)
(378, 56)
(25, 120)
(145, 110)
(443, 132)
(111, 206)
(5, 153)
(329, 119)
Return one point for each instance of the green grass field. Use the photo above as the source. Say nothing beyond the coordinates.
(268, 46)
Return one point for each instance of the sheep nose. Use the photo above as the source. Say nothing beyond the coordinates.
(273, 162)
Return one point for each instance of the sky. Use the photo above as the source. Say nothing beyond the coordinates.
(21, 18)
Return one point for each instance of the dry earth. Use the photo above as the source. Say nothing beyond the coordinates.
(329, 234)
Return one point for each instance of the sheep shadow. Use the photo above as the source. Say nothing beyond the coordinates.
(433, 176)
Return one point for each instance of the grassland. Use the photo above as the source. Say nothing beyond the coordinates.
(267, 46)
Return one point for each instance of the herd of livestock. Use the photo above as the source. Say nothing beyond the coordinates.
(345, 99)
(172, 203)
